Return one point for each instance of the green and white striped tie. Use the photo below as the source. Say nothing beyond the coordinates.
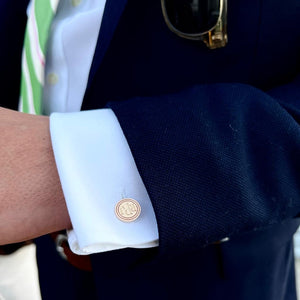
(33, 57)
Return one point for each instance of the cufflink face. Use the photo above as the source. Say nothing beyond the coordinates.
(127, 210)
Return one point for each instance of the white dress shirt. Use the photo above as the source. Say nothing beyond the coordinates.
(94, 162)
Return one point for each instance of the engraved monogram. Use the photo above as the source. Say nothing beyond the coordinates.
(127, 210)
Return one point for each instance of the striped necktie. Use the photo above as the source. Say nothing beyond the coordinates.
(33, 57)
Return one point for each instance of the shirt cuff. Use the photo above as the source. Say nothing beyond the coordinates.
(97, 170)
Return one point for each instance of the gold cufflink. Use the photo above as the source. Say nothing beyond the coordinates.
(127, 210)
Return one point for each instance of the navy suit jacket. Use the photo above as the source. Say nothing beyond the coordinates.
(215, 135)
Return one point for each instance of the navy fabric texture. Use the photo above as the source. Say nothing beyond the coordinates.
(259, 265)
(13, 20)
(224, 160)
(215, 136)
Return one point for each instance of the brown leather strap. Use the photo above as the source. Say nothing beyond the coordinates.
(82, 262)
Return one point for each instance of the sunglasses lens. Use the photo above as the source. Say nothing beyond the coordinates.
(192, 16)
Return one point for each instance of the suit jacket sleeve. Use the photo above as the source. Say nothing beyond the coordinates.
(217, 160)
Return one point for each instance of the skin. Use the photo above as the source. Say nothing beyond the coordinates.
(31, 199)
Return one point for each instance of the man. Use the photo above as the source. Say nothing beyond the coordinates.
(218, 160)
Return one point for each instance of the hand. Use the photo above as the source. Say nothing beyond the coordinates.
(31, 198)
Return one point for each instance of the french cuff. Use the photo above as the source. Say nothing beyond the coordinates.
(97, 170)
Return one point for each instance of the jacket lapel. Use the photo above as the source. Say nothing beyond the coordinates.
(112, 13)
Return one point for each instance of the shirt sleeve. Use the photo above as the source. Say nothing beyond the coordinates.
(97, 170)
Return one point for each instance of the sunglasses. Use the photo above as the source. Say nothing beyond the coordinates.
(204, 20)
